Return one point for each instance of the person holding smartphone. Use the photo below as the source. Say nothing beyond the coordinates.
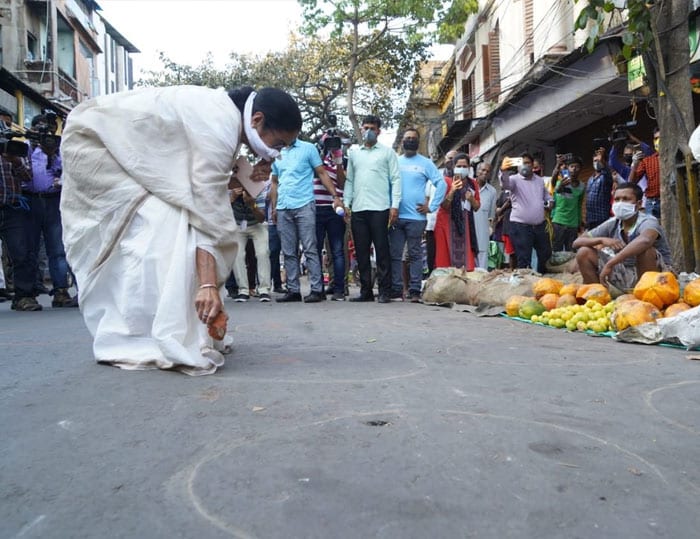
(455, 236)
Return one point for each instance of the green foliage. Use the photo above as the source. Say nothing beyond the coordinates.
(452, 20)
(637, 36)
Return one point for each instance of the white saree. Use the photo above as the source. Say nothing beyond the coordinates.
(145, 184)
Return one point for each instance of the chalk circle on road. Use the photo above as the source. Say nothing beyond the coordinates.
(312, 364)
(677, 404)
(435, 473)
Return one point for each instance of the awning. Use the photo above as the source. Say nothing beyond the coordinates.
(462, 132)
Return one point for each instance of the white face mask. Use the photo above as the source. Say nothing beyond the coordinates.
(256, 143)
(624, 210)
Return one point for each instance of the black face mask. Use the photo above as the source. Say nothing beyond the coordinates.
(411, 145)
(628, 159)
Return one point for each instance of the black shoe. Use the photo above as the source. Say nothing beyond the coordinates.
(383, 299)
(314, 297)
(289, 297)
(362, 298)
(280, 290)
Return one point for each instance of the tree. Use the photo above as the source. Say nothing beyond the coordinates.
(382, 41)
(659, 31)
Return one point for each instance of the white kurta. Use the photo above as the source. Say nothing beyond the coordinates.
(144, 184)
(487, 210)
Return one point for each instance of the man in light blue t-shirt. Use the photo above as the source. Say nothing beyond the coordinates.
(294, 211)
(416, 171)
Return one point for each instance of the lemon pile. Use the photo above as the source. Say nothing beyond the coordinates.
(590, 316)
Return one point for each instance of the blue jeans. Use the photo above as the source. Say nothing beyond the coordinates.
(407, 232)
(327, 221)
(653, 207)
(15, 227)
(275, 245)
(525, 238)
(294, 226)
(46, 219)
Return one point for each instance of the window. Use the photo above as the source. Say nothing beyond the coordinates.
(468, 97)
(491, 61)
(31, 46)
(112, 56)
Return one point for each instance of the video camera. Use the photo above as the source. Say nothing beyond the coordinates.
(10, 146)
(619, 134)
(331, 139)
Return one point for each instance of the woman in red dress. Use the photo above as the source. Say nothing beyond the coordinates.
(455, 240)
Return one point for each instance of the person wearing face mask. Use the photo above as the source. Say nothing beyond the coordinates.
(598, 192)
(628, 150)
(636, 243)
(416, 172)
(455, 236)
(529, 198)
(373, 193)
(569, 194)
(147, 223)
(649, 167)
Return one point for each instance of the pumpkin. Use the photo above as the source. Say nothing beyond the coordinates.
(530, 308)
(549, 301)
(595, 291)
(691, 293)
(513, 304)
(673, 310)
(546, 285)
(660, 288)
(570, 288)
(565, 300)
(624, 297)
(633, 313)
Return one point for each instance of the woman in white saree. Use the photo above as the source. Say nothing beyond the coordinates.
(147, 223)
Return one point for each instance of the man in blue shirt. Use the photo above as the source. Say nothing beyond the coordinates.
(294, 211)
(44, 193)
(416, 171)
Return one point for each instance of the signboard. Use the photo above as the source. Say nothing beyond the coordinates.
(635, 73)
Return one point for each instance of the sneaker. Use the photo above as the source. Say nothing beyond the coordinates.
(289, 297)
(26, 304)
(61, 298)
(396, 296)
(338, 296)
(384, 299)
(415, 298)
(241, 298)
(280, 290)
(265, 297)
(314, 297)
(362, 298)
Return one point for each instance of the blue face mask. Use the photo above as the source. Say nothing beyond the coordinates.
(369, 136)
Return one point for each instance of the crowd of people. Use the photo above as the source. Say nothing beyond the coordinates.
(154, 232)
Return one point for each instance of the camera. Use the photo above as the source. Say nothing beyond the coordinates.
(618, 135)
(10, 146)
(331, 138)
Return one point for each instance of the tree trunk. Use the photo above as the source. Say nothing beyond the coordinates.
(674, 107)
(352, 68)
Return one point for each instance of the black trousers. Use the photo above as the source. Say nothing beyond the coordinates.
(372, 227)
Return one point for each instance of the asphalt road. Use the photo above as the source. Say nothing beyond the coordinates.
(346, 420)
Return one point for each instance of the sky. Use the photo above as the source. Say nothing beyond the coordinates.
(187, 29)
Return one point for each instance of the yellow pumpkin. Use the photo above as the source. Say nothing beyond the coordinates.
(549, 301)
(570, 288)
(546, 285)
(691, 293)
(660, 288)
(633, 313)
(595, 291)
(513, 304)
(565, 300)
(673, 310)
(624, 297)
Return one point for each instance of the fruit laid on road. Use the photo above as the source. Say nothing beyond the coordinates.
(673, 310)
(549, 301)
(570, 288)
(691, 293)
(513, 304)
(530, 308)
(596, 292)
(546, 285)
(633, 313)
(659, 288)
